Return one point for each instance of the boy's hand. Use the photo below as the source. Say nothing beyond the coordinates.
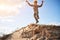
(26, 1)
(42, 0)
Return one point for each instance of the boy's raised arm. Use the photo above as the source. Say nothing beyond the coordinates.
(29, 3)
(41, 4)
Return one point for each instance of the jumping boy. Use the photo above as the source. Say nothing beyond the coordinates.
(35, 8)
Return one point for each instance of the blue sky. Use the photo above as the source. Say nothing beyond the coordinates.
(49, 13)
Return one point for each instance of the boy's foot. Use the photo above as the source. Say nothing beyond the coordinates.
(38, 17)
(37, 21)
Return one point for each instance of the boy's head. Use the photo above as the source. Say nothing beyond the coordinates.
(35, 1)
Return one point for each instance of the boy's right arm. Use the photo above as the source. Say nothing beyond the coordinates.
(41, 4)
(29, 3)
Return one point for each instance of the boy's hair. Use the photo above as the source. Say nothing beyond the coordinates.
(35, 1)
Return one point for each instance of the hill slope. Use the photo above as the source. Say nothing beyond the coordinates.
(36, 32)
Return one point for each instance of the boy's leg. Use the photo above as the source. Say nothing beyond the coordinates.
(36, 18)
(37, 21)
(37, 15)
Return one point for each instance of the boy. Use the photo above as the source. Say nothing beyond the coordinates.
(35, 8)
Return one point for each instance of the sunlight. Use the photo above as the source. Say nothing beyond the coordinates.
(10, 7)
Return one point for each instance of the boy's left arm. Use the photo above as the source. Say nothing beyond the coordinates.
(41, 4)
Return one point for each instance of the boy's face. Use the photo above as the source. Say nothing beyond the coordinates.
(35, 2)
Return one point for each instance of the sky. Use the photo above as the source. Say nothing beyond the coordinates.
(15, 14)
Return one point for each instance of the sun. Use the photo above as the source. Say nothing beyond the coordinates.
(10, 7)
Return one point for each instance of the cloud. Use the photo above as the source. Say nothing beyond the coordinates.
(6, 29)
(8, 10)
(7, 19)
(53, 23)
(3, 17)
(10, 7)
